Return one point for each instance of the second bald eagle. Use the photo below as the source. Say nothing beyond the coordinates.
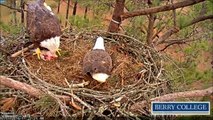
(44, 29)
(98, 62)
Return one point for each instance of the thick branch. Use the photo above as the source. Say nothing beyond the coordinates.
(26, 88)
(173, 96)
(172, 42)
(160, 8)
(172, 31)
(198, 19)
(36, 92)
(166, 35)
(20, 86)
(22, 51)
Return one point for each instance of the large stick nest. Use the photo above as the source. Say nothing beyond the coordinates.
(137, 75)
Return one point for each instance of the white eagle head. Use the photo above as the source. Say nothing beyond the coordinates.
(52, 45)
(99, 44)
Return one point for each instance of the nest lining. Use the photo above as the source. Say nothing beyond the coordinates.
(137, 74)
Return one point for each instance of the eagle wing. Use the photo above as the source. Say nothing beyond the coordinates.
(41, 24)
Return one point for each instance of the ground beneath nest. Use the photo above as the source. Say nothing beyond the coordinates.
(69, 66)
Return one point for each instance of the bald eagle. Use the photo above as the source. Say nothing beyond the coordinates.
(97, 63)
(44, 30)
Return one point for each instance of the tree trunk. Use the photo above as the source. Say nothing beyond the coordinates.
(22, 11)
(75, 8)
(85, 12)
(14, 18)
(150, 30)
(59, 3)
(116, 17)
(67, 13)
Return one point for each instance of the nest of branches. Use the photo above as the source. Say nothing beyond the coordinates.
(137, 75)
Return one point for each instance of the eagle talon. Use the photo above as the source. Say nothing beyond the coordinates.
(58, 51)
(38, 53)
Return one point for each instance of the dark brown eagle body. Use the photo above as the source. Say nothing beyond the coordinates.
(41, 24)
(97, 61)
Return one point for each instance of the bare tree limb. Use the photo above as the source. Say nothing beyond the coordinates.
(174, 42)
(36, 92)
(166, 35)
(171, 97)
(20, 86)
(174, 30)
(174, 15)
(150, 31)
(21, 51)
(160, 8)
(26, 88)
(198, 19)
(18, 10)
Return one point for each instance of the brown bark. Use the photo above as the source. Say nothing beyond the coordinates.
(59, 4)
(174, 15)
(13, 5)
(22, 11)
(160, 8)
(166, 35)
(85, 12)
(198, 19)
(8, 82)
(173, 96)
(75, 8)
(67, 12)
(22, 51)
(20, 86)
(116, 17)
(150, 30)
(174, 30)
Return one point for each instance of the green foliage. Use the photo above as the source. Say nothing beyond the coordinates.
(135, 5)
(85, 3)
(48, 106)
(11, 29)
(81, 22)
(183, 20)
(156, 2)
(137, 28)
(197, 47)
(209, 5)
(189, 66)
(99, 7)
